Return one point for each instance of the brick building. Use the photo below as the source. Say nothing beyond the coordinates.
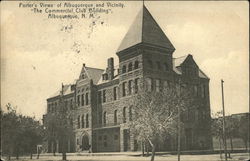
(98, 102)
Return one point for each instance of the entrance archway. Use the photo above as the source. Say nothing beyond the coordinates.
(85, 142)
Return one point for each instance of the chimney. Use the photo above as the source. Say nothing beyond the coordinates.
(83, 64)
(110, 69)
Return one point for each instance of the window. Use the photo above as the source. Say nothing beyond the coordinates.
(158, 65)
(78, 100)
(157, 85)
(130, 67)
(87, 120)
(130, 113)
(104, 96)
(115, 117)
(104, 118)
(124, 115)
(129, 86)
(124, 88)
(150, 64)
(124, 69)
(83, 76)
(87, 98)
(166, 67)
(82, 121)
(149, 84)
(136, 66)
(136, 85)
(115, 93)
(78, 122)
(82, 100)
(105, 76)
(99, 96)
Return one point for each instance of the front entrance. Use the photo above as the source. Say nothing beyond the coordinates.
(85, 142)
(126, 137)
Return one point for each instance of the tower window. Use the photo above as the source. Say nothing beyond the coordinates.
(130, 66)
(136, 66)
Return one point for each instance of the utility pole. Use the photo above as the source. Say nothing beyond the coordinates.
(179, 126)
(224, 121)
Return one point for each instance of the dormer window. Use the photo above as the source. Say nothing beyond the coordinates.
(105, 76)
(83, 76)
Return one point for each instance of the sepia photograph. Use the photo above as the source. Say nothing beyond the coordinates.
(125, 80)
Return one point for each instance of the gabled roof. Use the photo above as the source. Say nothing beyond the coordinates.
(66, 90)
(92, 73)
(177, 62)
(145, 29)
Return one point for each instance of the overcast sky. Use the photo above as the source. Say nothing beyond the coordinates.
(38, 54)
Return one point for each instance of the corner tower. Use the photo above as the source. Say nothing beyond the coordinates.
(147, 47)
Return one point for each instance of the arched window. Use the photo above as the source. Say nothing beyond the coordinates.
(124, 69)
(87, 98)
(115, 117)
(130, 113)
(104, 118)
(87, 120)
(136, 66)
(130, 66)
(78, 122)
(124, 115)
(82, 121)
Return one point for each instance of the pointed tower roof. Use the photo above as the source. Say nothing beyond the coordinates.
(145, 29)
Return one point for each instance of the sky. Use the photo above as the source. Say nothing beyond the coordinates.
(38, 54)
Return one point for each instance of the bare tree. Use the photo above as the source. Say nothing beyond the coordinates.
(156, 114)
